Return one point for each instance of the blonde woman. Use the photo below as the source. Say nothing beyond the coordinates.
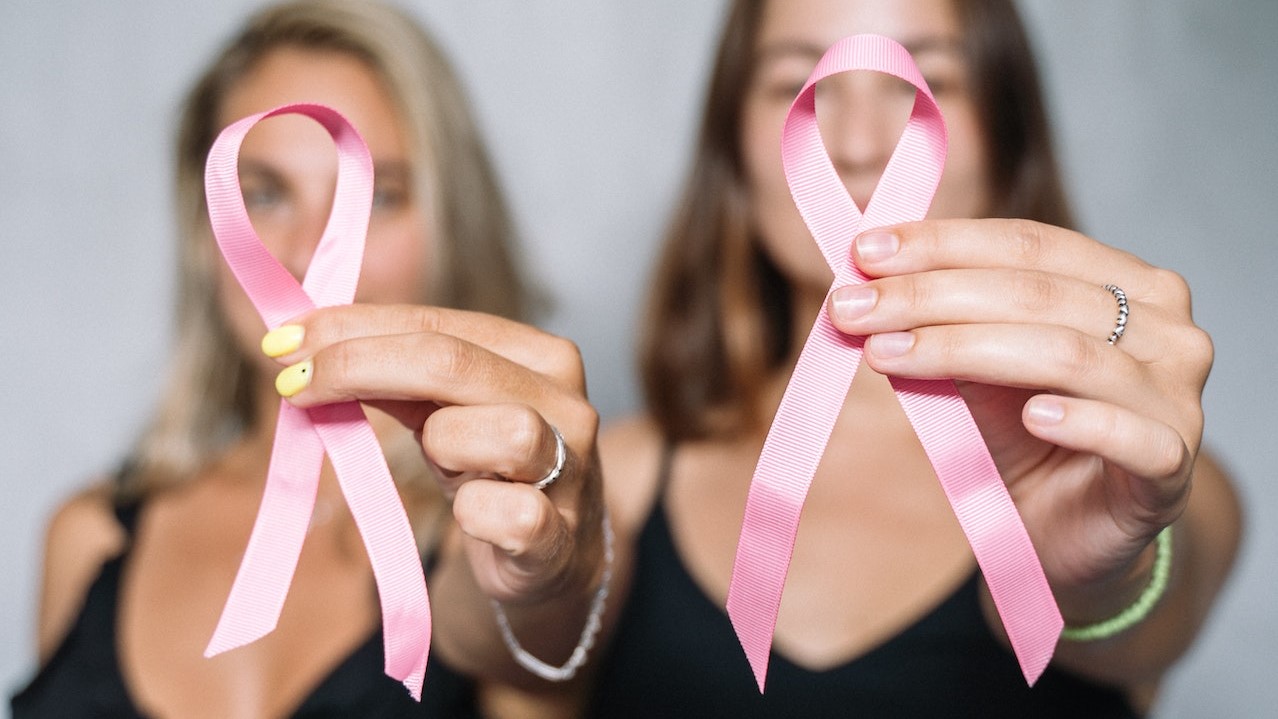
(137, 567)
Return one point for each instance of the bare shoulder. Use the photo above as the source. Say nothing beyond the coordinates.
(630, 450)
(82, 534)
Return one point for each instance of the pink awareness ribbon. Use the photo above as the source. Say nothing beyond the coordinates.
(303, 436)
(821, 380)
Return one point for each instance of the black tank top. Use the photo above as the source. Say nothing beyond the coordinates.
(675, 655)
(83, 677)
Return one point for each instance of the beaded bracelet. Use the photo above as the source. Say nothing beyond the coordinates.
(549, 672)
(1139, 609)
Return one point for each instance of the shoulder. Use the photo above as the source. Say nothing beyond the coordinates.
(82, 534)
(630, 451)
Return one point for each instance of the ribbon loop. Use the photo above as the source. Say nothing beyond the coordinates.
(302, 436)
(829, 360)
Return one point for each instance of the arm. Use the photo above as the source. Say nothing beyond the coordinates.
(1098, 443)
(1205, 542)
(484, 394)
(82, 534)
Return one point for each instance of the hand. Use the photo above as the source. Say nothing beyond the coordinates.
(482, 393)
(1096, 442)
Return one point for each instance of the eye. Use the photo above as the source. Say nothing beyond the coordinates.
(389, 198)
(261, 197)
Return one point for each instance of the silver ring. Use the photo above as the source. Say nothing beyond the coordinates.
(561, 455)
(1120, 325)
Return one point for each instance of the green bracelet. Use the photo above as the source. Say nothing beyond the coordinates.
(1139, 609)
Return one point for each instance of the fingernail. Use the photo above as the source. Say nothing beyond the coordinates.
(294, 378)
(850, 303)
(282, 340)
(876, 246)
(891, 344)
(1045, 410)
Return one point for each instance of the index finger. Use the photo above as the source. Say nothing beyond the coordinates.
(520, 343)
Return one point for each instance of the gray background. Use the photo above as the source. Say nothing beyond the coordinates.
(1165, 112)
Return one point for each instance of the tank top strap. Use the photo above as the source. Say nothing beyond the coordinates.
(125, 505)
(664, 469)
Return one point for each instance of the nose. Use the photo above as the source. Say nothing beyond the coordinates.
(301, 235)
(861, 116)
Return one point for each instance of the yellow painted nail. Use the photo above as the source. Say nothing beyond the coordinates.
(282, 340)
(294, 378)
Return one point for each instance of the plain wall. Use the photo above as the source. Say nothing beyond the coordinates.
(1164, 112)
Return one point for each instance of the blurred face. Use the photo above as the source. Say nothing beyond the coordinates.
(288, 171)
(861, 114)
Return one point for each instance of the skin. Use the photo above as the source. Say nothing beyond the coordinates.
(479, 393)
(171, 603)
(1099, 445)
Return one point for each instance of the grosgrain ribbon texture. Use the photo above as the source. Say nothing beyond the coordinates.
(829, 359)
(303, 436)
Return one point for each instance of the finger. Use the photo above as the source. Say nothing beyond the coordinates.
(1153, 456)
(1022, 356)
(1013, 244)
(988, 296)
(509, 441)
(540, 351)
(530, 539)
(422, 366)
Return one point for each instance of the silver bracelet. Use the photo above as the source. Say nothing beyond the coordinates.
(588, 634)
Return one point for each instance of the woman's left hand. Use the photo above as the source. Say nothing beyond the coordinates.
(500, 409)
(1096, 441)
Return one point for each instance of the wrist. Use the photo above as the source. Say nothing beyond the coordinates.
(1103, 609)
(593, 622)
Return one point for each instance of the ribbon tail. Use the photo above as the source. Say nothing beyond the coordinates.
(794, 447)
(253, 608)
(989, 518)
(379, 514)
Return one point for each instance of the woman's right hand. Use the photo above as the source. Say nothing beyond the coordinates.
(484, 395)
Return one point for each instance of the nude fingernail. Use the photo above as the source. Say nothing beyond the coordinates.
(1045, 411)
(891, 344)
(877, 245)
(850, 303)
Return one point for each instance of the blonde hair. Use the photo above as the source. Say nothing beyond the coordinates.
(208, 401)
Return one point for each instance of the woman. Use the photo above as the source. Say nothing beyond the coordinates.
(138, 567)
(884, 613)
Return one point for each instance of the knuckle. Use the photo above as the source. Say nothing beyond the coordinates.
(450, 358)
(527, 436)
(427, 319)
(917, 294)
(1198, 344)
(1171, 287)
(582, 424)
(335, 367)
(1078, 354)
(565, 361)
(1028, 243)
(1034, 291)
(526, 522)
(1168, 457)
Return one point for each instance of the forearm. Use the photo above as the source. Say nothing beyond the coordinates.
(1205, 541)
(550, 627)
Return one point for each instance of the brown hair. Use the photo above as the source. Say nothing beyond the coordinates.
(718, 321)
(208, 400)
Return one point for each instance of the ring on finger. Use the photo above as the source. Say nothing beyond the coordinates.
(1120, 325)
(561, 455)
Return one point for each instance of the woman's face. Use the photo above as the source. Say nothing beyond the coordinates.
(288, 171)
(861, 114)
